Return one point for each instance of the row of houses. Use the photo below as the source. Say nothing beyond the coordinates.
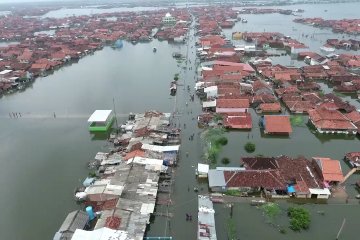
(211, 19)
(348, 26)
(229, 87)
(350, 44)
(38, 53)
(280, 176)
(128, 182)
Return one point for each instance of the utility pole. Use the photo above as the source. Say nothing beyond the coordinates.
(116, 122)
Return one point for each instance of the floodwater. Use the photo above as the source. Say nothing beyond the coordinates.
(46, 32)
(5, 44)
(44, 158)
(90, 10)
(69, 12)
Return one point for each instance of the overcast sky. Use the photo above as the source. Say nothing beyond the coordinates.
(16, 1)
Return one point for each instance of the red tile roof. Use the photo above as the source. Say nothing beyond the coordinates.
(299, 106)
(331, 169)
(246, 67)
(330, 119)
(135, 153)
(232, 103)
(277, 124)
(300, 171)
(254, 178)
(270, 107)
(353, 156)
(41, 66)
(240, 121)
(354, 116)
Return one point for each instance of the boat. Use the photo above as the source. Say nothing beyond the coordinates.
(257, 202)
(118, 44)
(177, 55)
(327, 49)
(244, 20)
(154, 49)
(173, 88)
(101, 121)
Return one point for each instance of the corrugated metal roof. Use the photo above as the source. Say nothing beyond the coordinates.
(216, 178)
(74, 220)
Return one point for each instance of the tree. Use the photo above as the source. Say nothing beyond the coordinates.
(221, 141)
(225, 160)
(250, 147)
(299, 218)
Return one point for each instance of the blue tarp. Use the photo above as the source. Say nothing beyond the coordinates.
(291, 189)
(88, 181)
(118, 43)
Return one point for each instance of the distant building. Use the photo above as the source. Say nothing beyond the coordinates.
(169, 20)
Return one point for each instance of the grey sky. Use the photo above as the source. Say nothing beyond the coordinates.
(17, 1)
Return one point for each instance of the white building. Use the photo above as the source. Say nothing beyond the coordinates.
(169, 20)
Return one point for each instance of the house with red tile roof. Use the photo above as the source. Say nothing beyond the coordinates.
(39, 68)
(270, 107)
(245, 66)
(354, 117)
(232, 105)
(329, 170)
(340, 103)
(301, 106)
(353, 158)
(254, 180)
(135, 153)
(331, 121)
(238, 121)
(276, 124)
(25, 57)
(300, 173)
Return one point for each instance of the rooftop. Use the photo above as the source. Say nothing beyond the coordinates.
(277, 124)
(99, 116)
(331, 169)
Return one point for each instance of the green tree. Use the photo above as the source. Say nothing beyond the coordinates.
(250, 147)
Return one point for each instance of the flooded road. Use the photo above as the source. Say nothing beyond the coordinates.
(44, 158)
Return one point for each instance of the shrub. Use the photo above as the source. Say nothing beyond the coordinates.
(92, 174)
(250, 147)
(299, 218)
(271, 210)
(221, 141)
(176, 78)
(218, 117)
(233, 192)
(225, 160)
